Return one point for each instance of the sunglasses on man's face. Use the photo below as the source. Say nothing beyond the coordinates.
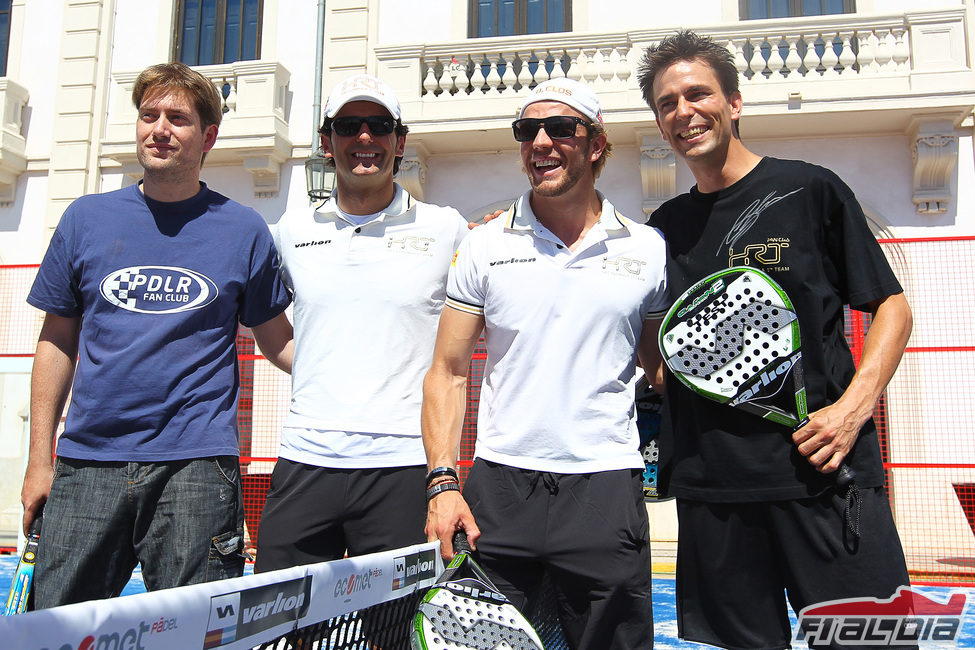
(557, 127)
(352, 124)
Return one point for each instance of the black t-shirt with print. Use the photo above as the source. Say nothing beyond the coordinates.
(803, 226)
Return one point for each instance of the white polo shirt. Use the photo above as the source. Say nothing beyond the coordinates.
(368, 299)
(561, 330)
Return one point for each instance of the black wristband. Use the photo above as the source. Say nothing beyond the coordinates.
(441, 471)
(446, 486)
(441, 479)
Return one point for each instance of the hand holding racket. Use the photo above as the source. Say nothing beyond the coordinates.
(733, 338)
(463, 610)
(19, 600)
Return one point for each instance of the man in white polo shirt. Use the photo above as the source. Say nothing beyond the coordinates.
(567, 291)
(368, 272)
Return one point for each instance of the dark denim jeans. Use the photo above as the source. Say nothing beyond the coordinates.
(182, 520)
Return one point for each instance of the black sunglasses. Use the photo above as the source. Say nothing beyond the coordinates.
(352, 124)
(557, 127)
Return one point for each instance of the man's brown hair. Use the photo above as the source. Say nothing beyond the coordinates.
(686, 45)
(596, 129)
(179, 76)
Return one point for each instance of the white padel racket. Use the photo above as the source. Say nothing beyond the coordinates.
(733, 338)
(463, 610)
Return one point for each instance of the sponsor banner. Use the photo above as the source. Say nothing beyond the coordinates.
(247, 613)
(346, 585)
(416, 567)
(227, 614)
(161, 620)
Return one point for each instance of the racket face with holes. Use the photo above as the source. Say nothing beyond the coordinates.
(734, 338)
(465, 611)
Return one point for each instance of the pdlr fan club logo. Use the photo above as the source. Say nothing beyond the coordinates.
(158, 289)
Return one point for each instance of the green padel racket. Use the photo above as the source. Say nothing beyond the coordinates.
(733, 338)
(463, 610)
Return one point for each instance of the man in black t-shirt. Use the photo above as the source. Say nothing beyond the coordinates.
(759, 511)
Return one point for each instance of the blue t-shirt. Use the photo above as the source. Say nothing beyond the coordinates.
(160, 288)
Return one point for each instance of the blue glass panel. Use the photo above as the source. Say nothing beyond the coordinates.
(535, 23)
(832, 6)
(190, 38)
(485, 18)
(252, 27)
(231, 35)
(821, 7)
(779, 8)
(208, 32)
(755, 10)
(506, 17)
(555, 16)
(3, 45)
(4, 35)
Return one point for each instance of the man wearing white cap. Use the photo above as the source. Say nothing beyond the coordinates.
(567, 291)
(368, 272)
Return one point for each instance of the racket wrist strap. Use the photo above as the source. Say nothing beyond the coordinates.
(437, 472)
(445, 486)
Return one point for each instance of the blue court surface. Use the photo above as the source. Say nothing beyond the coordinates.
(665, 616)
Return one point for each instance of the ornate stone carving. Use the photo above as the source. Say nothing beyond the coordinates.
(934, 150)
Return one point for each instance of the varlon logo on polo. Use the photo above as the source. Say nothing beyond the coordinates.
(513, 260)
(314, 242)
(158, 289)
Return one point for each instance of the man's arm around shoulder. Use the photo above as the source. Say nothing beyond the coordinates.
(442, 416)
(275, 338)
(649, 354)
(51, 378)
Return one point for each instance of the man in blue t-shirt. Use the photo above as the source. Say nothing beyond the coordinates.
(143, 289)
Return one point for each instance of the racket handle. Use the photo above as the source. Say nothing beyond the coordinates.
(844, 476)
(461, 545)
(35, 526)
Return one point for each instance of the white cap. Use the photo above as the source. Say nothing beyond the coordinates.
(362, 87)
(568, 91)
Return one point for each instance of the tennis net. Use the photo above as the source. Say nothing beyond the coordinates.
(361, 602)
